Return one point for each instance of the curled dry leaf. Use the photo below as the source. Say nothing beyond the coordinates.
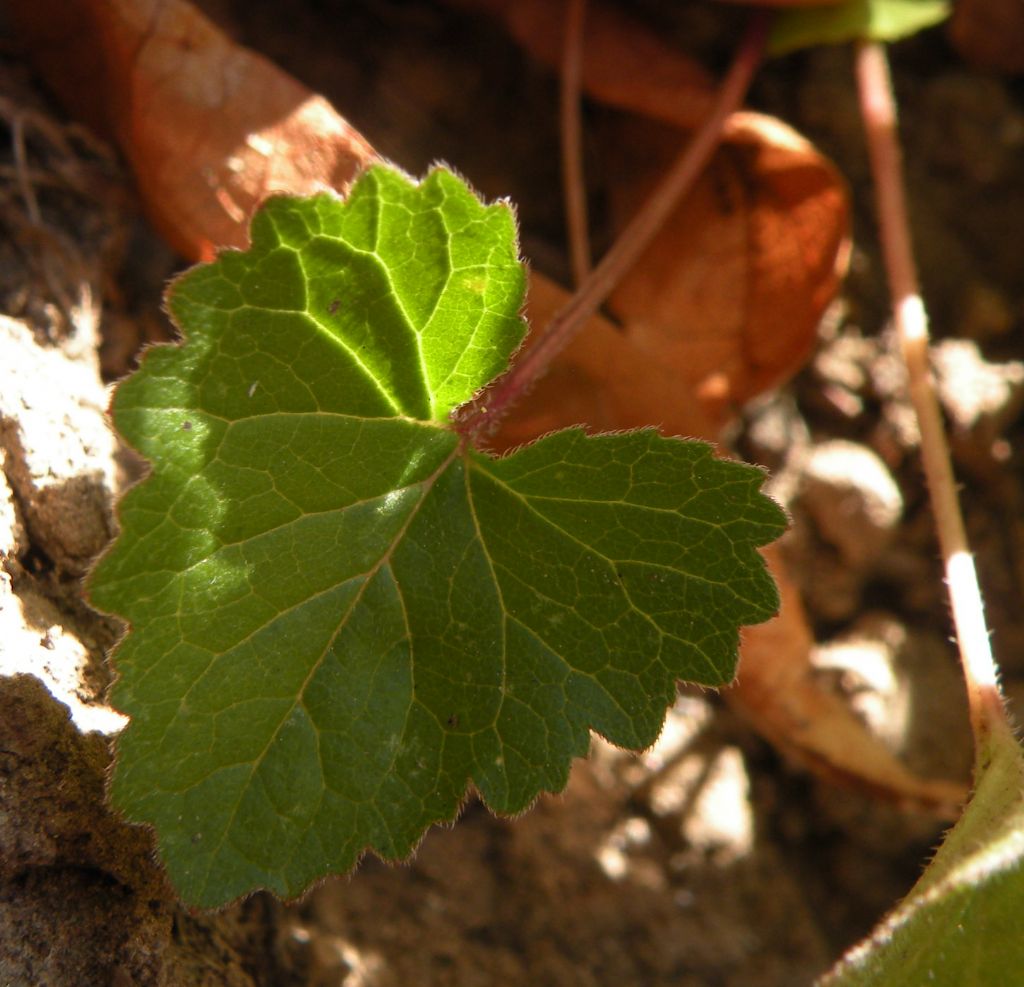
(725, 302)
(210, 128)
(606, 379)
(732, 289)
(776, 689)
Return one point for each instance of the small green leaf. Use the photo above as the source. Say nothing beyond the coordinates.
(867, 20)
(341, 616)
(960, 926)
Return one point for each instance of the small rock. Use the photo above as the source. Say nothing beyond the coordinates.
(979, 396)
(711, 793)
(903, 684)
(852, 499)
(58, 450)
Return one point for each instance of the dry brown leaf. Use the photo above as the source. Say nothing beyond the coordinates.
(724, 304)
(777, 691)
(210, 128)
(731, 291)
(604, 379)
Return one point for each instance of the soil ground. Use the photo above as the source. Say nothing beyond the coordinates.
(708, 861)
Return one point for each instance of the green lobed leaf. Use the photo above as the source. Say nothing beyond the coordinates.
(341, 617)
(960, 925)
(854, 20)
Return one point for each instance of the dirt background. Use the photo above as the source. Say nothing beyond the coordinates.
(707, 861)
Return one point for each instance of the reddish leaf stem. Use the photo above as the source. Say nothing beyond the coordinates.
(485, 412)
(573, 184)
(878, 110)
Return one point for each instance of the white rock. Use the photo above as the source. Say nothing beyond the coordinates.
(852, 499)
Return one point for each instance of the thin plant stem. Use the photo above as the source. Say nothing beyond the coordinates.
(488, 409)
(573, 183)
(878, 110)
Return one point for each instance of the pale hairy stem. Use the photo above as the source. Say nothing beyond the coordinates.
(484, 413)
(574, 186)
(878, 110)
